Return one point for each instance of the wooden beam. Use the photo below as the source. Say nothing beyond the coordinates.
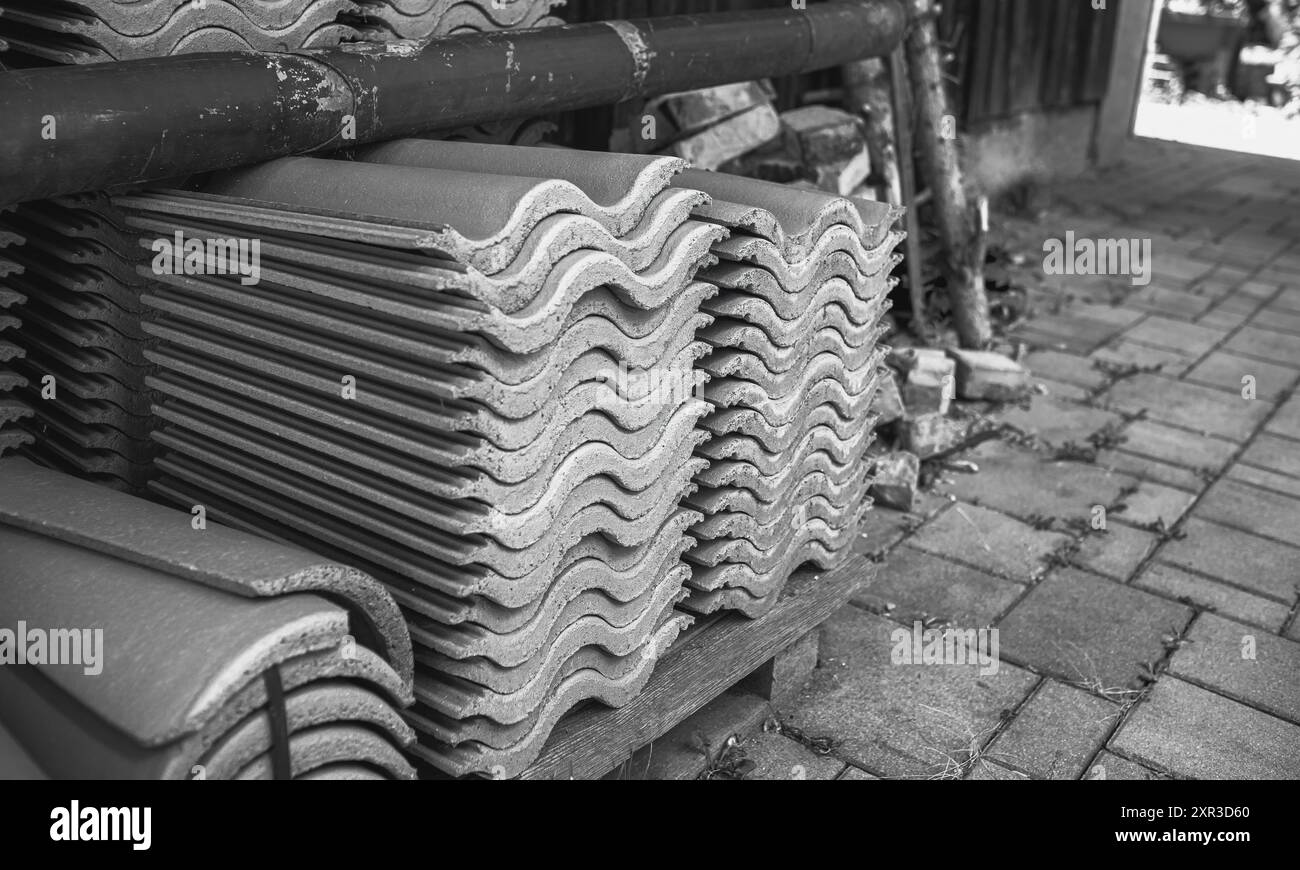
(704, 663)
(961, 222)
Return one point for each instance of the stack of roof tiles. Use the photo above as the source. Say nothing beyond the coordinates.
(98, 31)
(521, 501)
(794, 366)
(81, 345)
(417, 19)
(13, 410)
(83, 329)
(219, 655)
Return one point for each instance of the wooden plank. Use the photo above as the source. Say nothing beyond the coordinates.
(706, 662)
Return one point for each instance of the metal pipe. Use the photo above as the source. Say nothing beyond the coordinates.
(70, 129)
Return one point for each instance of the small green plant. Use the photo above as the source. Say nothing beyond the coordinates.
(729, 761)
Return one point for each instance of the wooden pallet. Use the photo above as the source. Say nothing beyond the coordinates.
(712, 657)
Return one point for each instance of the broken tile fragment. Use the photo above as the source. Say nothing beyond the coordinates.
(729, 139)
(821, 135)
(929, 434)
(928, 379)
(987, 375)
(896, 480)
(889, 402)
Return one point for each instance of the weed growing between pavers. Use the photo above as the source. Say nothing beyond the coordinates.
(1116, 372)
(1090, 680)
(1108, 437)
(1062, 556)
(1041, 522)
(1078, 526)
(729, 761)
(1117, 506)
(1081, 526)
(1149, 672)
(1157, 527)
(957, 766)
(816, 745)
(1071, 451)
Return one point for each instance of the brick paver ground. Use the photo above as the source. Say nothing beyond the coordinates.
(1167, 644)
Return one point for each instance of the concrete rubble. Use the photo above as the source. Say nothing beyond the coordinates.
(988, 375)
(931, 433)
(730, 138)
(786, 482)
(928, 379)
(831, 144)
(819, 134)
(816, 147)
(889, 401)
(505, 465)
(692, 111)
(896, 480)
(709, 127)
(261, 667)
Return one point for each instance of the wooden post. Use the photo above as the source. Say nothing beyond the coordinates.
(781, 679)
(962, 227)
(879, 94)
(1134, 37)
(900, 90)
(867, 93)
